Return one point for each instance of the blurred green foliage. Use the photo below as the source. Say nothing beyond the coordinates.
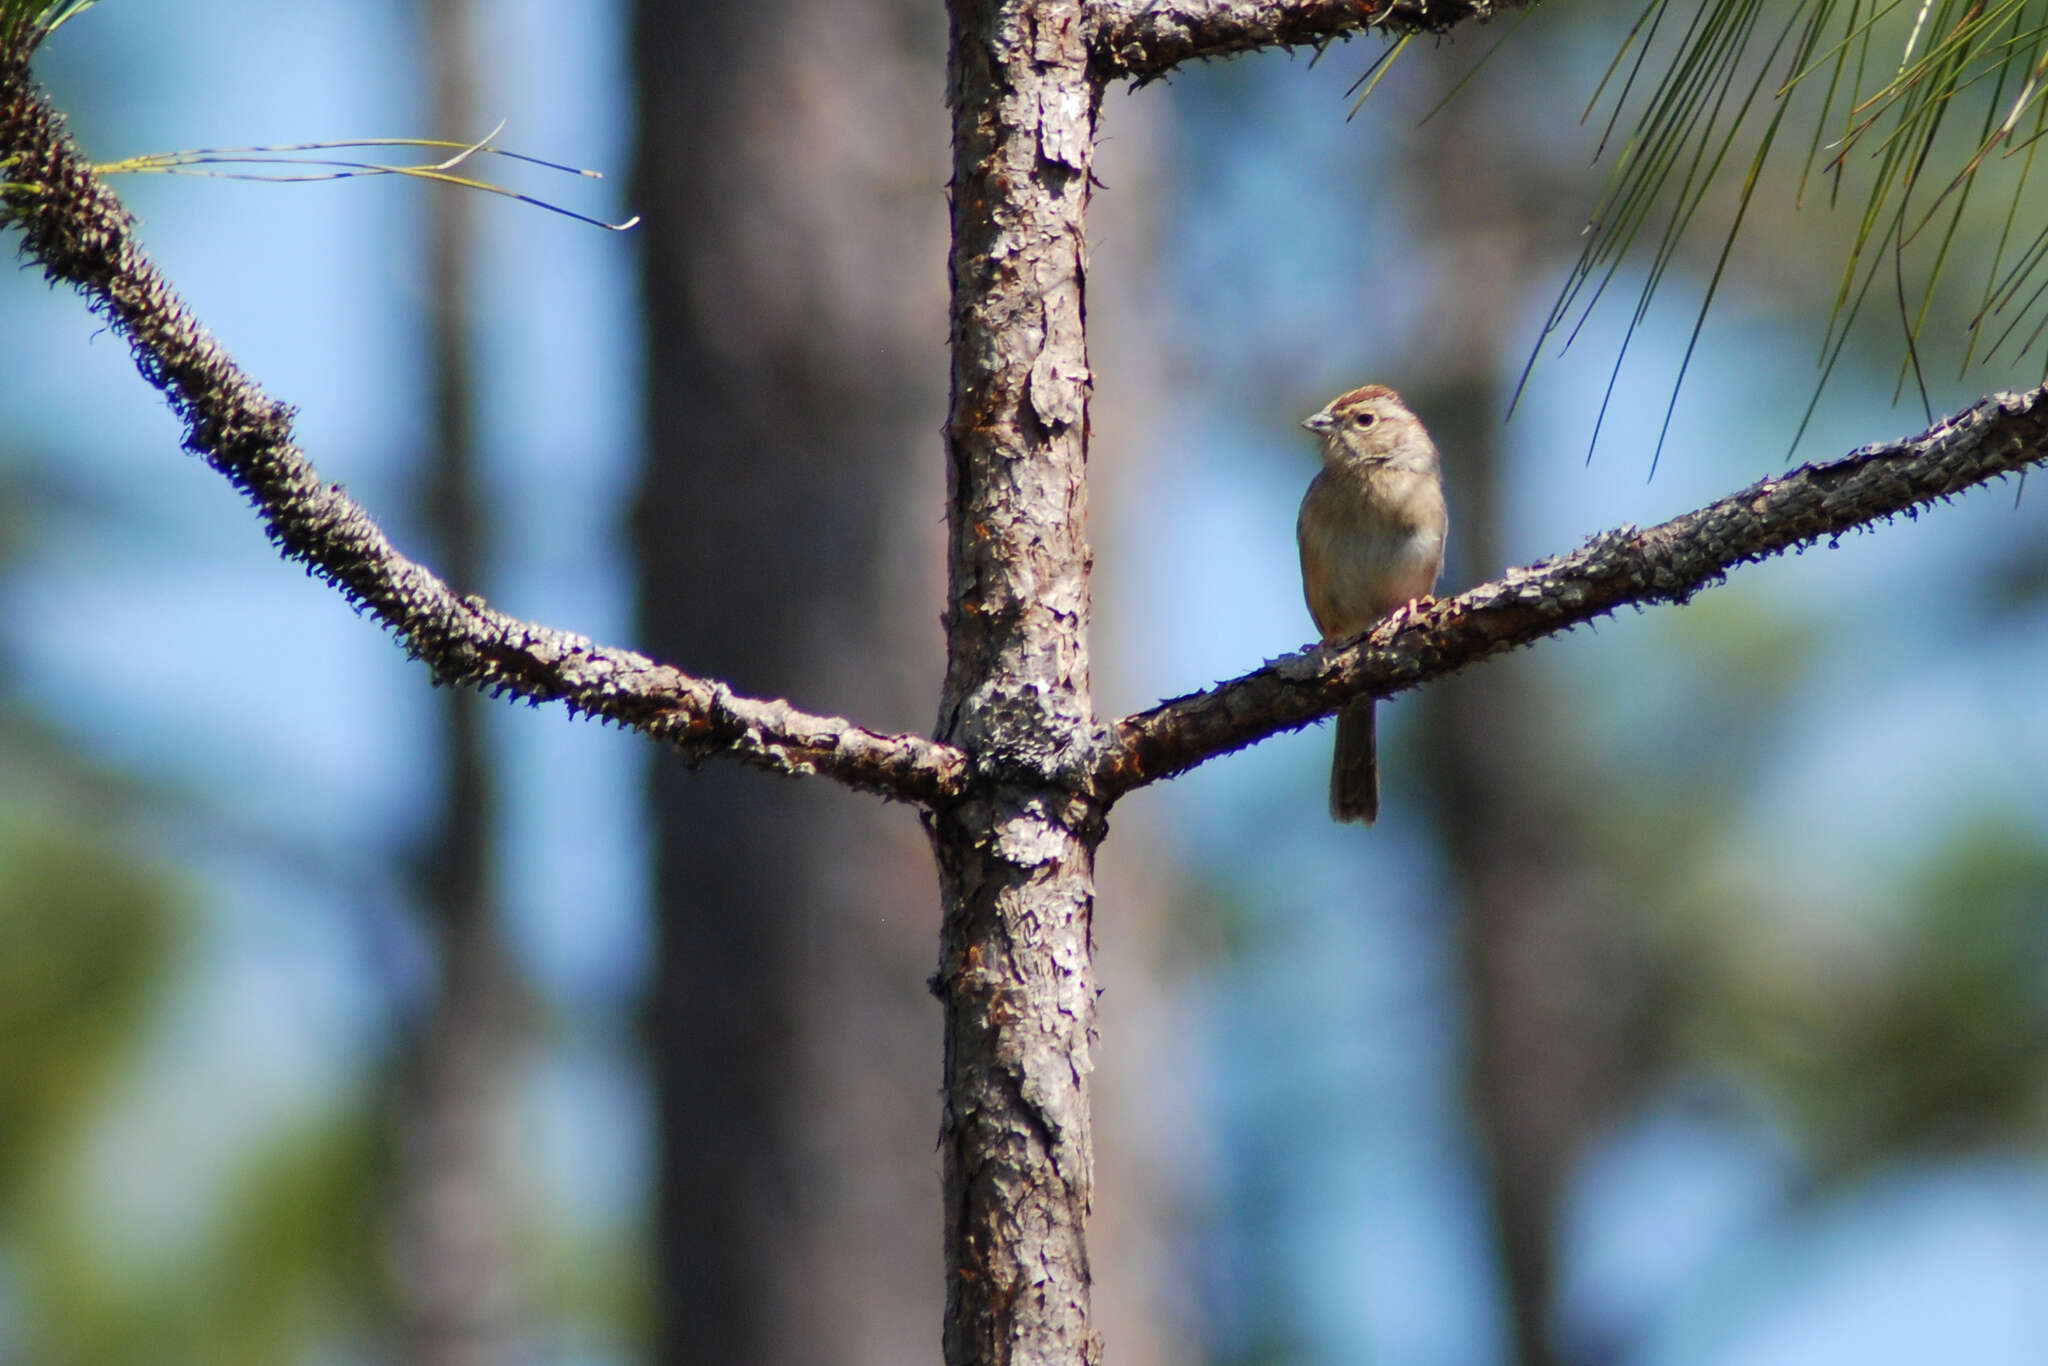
(91, 932)
(1915, 1030)
(85, 936)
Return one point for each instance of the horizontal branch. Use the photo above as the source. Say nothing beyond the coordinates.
(78, 231)
(2000, 435)
(1142, 40)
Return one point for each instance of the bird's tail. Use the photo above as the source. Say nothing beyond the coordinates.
(1355, 773)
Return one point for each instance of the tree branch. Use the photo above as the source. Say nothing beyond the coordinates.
(1142, 40)
(1999, 435)
(79, 232)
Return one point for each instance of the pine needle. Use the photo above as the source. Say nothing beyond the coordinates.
(287, 163)
(25, 23)
(1381, 65)
(1894, 79)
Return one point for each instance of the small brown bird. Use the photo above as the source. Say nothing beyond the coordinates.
(1372, 538)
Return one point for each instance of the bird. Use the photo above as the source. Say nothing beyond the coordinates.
(1371, 532)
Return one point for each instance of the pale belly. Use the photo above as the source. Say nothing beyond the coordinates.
(1364, 564)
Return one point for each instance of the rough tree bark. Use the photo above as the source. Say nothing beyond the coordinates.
(1016, 857)
(1016, 786)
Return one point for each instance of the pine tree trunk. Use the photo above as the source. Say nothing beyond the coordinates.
(1016, 858)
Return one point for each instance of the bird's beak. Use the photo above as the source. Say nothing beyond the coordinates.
(1319, 422)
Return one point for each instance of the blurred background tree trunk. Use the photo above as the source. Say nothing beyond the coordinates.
(453, 1237)
(1553, 977)
(788, 536)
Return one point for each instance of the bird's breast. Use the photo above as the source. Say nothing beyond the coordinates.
(1367, 547)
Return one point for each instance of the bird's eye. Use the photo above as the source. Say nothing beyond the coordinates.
(1362, 419)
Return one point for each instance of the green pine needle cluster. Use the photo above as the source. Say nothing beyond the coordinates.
(1908, 110)
(25, 23)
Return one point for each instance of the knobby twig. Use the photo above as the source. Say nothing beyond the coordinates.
(79, 232)
(2000, 435)
(1143, 40)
